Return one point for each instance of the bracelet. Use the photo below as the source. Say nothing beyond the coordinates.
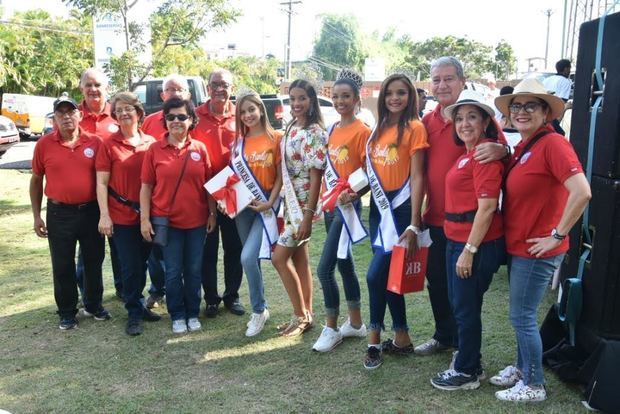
(304, 209)
(416, 230)
(557, 236)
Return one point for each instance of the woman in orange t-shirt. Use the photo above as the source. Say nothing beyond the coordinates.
(395, 173)
(256, 159)
(346, 147)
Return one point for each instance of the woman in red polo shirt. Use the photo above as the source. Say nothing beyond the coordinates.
(473, 227)
(546, 192)
(118, 166)
(173, 173)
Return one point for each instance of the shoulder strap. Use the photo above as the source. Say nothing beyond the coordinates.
(176, 188)
(527, 147)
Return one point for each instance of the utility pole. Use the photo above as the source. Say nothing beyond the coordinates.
(547, 12)
(289, 3)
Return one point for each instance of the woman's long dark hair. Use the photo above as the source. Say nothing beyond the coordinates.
(409, 114)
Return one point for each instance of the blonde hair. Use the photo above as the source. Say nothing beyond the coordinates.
(241, 128)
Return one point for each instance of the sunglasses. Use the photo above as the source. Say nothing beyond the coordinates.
(180, 117)
(529, 107)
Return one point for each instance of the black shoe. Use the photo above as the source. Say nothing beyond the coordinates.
(68, 323)
(235, 307)
(134, 327)
(154, 301)
(100, 315)
(211, 310)
(150, 316)
(389, 347)
(453, 380)
(373, 358)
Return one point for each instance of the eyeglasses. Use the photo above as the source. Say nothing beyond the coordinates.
(219, 85)
(127, 109)
(180, 117)
(529, 107)
(175, 90)
(70, 112)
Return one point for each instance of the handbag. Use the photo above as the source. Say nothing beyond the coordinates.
(160, 224)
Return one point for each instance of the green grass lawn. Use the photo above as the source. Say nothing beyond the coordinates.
(99, 369)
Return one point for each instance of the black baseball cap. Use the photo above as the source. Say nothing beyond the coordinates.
(64, 99)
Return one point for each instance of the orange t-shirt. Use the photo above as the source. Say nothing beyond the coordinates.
(262, 154)
(392, 163)
(347, 147)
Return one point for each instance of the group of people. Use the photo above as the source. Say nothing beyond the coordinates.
(485, 205)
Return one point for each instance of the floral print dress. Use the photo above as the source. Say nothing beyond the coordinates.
(304, 149)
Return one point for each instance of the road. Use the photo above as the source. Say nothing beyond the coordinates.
(18, 157)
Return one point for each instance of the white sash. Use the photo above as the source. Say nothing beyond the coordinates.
(387, 235)
(270, 224)
(290, 198)
(353, 231)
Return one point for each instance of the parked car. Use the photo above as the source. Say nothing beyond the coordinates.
(149, 92)
(9, 135)
(274, 105)
(48, 124)
(27, 112)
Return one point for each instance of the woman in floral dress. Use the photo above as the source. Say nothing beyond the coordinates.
(303, 161)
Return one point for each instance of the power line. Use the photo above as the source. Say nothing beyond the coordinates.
(47, 29)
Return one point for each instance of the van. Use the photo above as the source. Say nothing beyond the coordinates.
(27, 112)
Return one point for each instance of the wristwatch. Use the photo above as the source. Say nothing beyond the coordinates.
(416, 230)
(471, 248)
(556, 235)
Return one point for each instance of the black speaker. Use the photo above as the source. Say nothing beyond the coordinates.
(587, 89)
(601, 278)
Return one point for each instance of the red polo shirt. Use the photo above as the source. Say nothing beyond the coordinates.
(154, 125)
(124, 163)
(535, 194)
(217, 133)
(466, 182)
(440, 157)
(161, 168)
(69, 172)
(102, 124)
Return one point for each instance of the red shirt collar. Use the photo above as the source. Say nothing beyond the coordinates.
(204, 110)
(107, 110)
(164, 142)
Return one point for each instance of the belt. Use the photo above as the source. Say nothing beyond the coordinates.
(81, 206)
(466, 217)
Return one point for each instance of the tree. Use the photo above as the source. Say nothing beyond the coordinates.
(339, 45)
(505, 60)
(175, 22)
(43, 55)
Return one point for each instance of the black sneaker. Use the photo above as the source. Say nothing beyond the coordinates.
(100, 315)
(235, 307)
(373, 358)
(453, 380)
(211, 310)
(134, 327)
(68, 323)
(150, 316)
(479, 372)
(389, 347)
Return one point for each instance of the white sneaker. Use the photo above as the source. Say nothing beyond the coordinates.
(179, 326)
(257, 323)
(193, 324)
(329, 339)
(507, 377)
(348, 331)
(522, 393)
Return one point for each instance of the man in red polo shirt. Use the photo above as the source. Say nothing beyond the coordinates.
(448, 81)
(216, 129)
(66, 158)
(173, 86)
(97, 119)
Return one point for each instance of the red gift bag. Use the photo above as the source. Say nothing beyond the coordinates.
(407, 275)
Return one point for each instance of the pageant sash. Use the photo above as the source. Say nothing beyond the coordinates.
(353, 231)
(270, 223)
(387, 235)
(290, 198)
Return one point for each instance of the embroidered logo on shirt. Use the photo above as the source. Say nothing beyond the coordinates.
(462, 163)
(195, 156)
(89, 152)
(112, 128)
(525, 157)
(339, 155)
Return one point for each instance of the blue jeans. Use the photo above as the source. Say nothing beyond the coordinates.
(529, 278)
(327, 266)
(250, 229)
(437, 284)
(183, 263)
(377, 276)
(466, 298)
(157, 273)
(133, 253)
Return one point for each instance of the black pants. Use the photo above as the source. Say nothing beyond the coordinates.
(66, 225)
(233, 272)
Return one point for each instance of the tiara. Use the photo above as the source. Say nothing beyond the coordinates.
(243, 91)
(404, 72)
(351, 75)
